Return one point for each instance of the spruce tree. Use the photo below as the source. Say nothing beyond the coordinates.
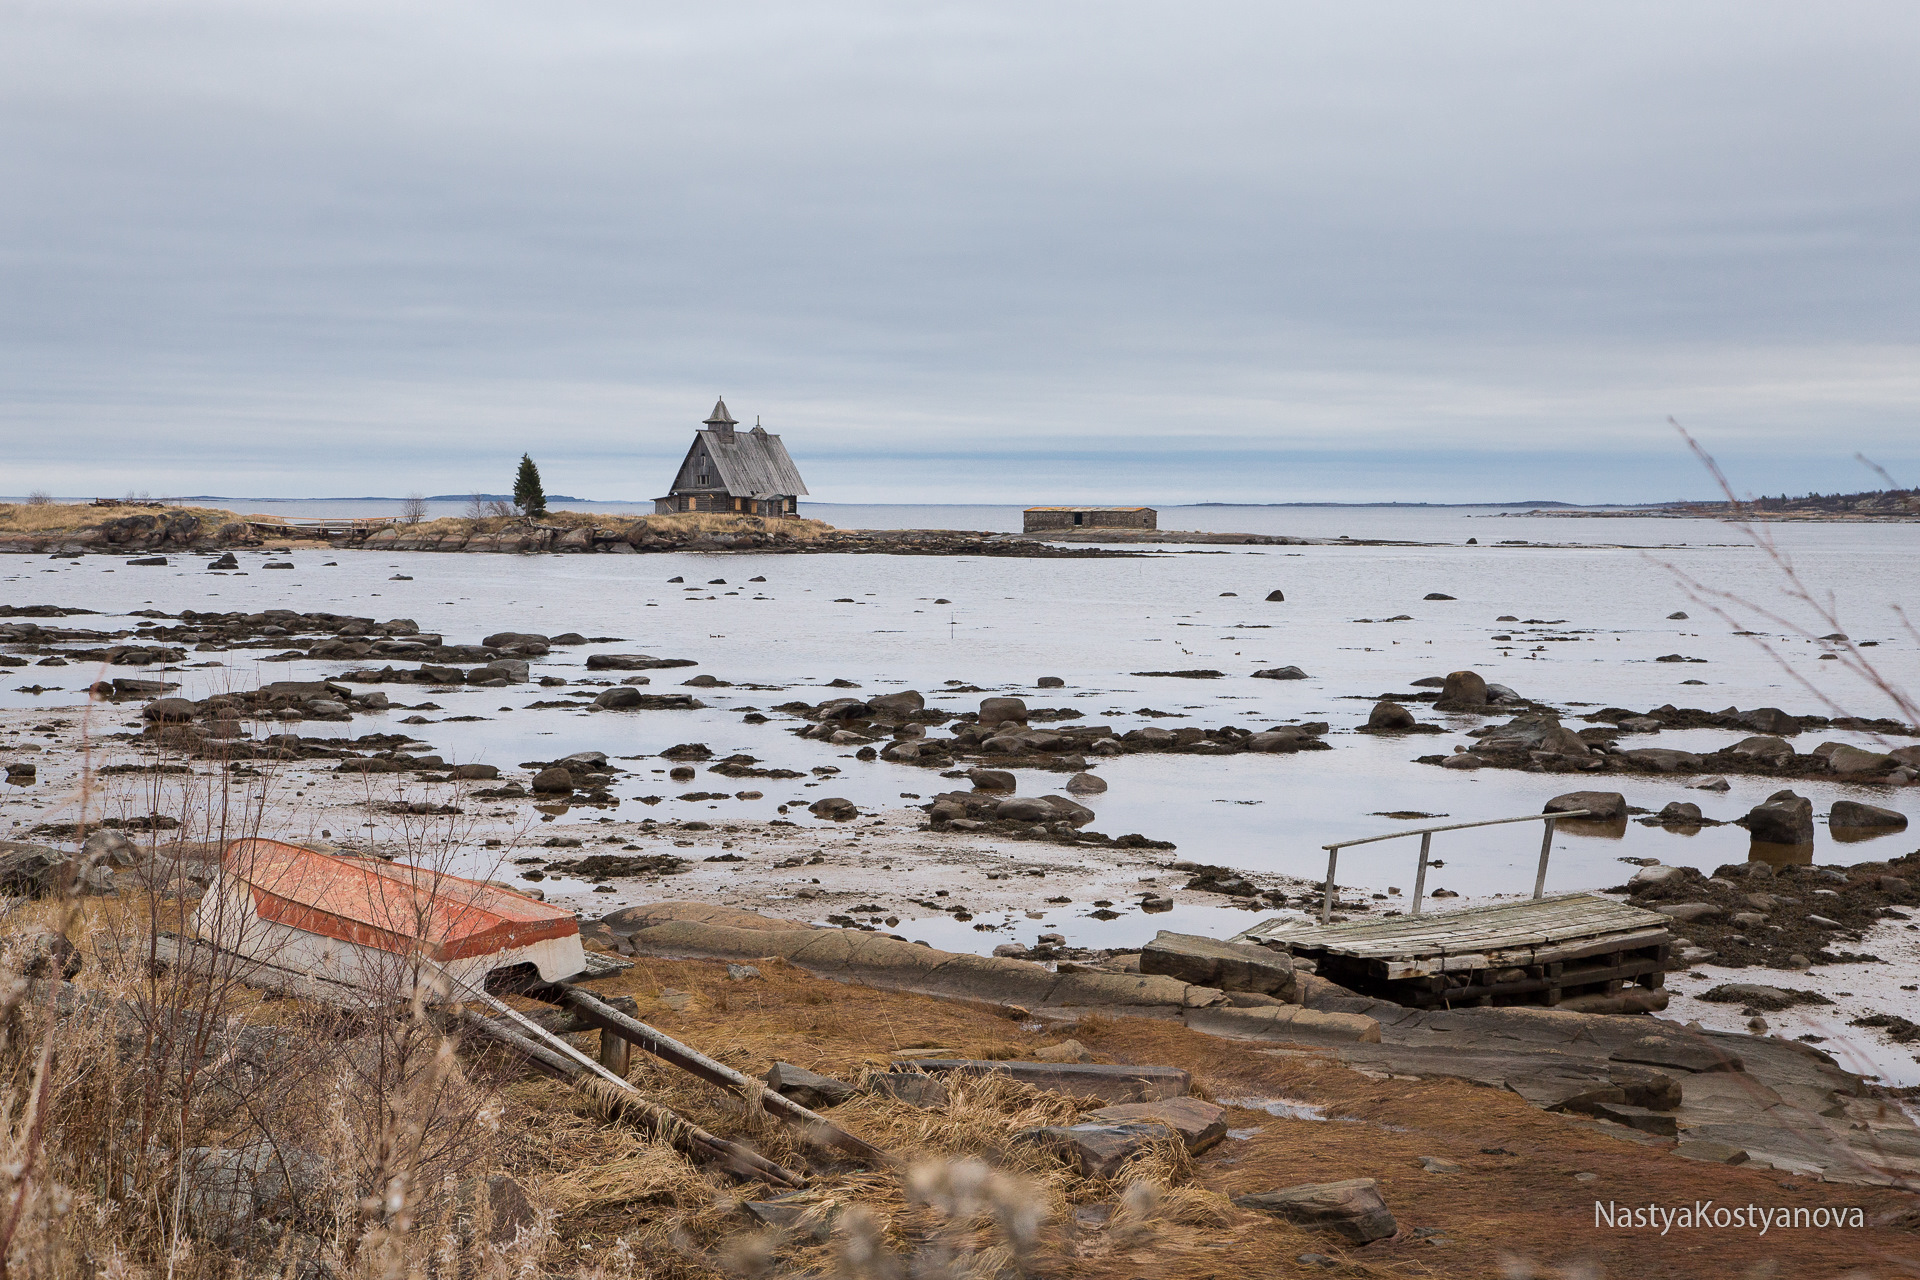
(527, 493)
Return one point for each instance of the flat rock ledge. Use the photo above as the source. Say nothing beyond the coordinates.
(869, 959)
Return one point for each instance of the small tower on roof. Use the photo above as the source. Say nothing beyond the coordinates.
(747, 473)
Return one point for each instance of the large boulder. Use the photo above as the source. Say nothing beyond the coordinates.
(1601, 806)
(1352, 1208)
(1025, 809)
(633, 662)
(1390, 716)
(1462, 690)
(834, 808)
(991, 779)
(38, 953)
(1663, 760)
(994, 711)
(1078, 814)
(1285, 741)
(1763, 749)
(808, 1088)
(1228, 966)
(1201, 1125)
(228, 1190)
(895, 705)
(1785, 818)
(1099, 1150)
(1863, 817)
(1086, 784)
(1541, 731)
(555, 781)
(33, 870)
(168, 711)
(515, 640)
(1771, 720)
(1845, 759)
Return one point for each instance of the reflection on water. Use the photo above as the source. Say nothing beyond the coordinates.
(1593, 829)
(1858, 835)
(1780, 855)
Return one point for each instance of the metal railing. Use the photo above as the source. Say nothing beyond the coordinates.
(1426, 844)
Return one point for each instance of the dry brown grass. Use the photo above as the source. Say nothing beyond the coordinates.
(72, 517)
(682, 525)
(974, 1200)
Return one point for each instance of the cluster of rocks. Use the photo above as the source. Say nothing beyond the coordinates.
(184, 721)
(587, 772)
(1754, 914)
(529, 538)
(29, 870)
(1003, 728)
(175, 531)
(1539, 741)
(1766, 720)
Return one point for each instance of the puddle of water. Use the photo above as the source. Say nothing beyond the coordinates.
(1283, 1108)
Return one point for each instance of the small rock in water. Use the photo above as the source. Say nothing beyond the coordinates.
(1276, 596)
(1281, 673)
(1086, 784)
(1050, 682)
(1390, 715)
(1677, 617)
(1437, 595)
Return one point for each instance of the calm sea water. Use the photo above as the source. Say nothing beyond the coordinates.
(1598, 593)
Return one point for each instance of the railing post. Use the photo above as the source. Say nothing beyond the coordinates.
(1420, 877)
(1546, 847)
(1326, 899)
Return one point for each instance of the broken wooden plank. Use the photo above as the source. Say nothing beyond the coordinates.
(1080, 1079)
(630, 1106)
(598, 1013)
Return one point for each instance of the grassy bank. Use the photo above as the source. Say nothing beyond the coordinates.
(73, 517)
(682, 525)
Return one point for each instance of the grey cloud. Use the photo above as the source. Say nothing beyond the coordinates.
(305, 243)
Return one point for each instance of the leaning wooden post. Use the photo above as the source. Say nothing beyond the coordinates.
(1546, 847)
(615, 1053)
(1420, 876)
(1326, 899)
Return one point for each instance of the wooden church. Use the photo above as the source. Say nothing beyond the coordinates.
(744, 472)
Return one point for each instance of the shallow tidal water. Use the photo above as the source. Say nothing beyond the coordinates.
(1594, 619)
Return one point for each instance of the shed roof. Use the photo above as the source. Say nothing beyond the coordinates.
(753, 464)
(1089, 508)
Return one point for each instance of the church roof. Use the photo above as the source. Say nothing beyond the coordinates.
(720, 417)
(753, 464)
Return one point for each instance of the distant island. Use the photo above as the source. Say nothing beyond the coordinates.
(1898, 505)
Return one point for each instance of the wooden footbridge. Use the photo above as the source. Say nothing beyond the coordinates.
(1537, 951)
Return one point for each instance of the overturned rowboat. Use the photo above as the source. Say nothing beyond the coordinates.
(353, 927)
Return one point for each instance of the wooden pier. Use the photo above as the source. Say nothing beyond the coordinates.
(1540, 951)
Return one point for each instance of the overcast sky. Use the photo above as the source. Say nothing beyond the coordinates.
(959, 252)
